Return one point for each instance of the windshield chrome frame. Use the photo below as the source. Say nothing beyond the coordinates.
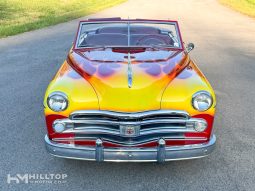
(129, 21)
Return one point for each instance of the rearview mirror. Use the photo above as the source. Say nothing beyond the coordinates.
(190, 47)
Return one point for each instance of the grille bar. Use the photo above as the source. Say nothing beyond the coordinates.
(105, 130)
(83, 114)
(120, 122)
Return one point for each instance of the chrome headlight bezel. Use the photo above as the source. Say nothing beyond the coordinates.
(207, 95)
(57, 95)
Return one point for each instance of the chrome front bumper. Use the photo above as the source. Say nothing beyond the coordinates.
(126, 154)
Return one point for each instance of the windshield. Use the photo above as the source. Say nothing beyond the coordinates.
(128, 34)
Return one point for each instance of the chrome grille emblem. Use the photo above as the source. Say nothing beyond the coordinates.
(129, 130)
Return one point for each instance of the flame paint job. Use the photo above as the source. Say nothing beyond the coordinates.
(162, 80)
(97, 80)
(109, 77)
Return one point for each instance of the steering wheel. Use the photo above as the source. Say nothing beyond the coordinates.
(151, 40)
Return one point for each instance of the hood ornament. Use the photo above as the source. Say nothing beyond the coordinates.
(129, 72)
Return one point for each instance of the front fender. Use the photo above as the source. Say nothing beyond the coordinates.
(80, 93)
(179, 92)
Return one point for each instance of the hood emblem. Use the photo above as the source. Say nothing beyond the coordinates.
(129, 72)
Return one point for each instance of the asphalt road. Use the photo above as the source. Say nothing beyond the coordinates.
(225, 52)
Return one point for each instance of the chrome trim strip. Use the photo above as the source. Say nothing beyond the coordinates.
(166, 160)
(129, 115)
(128, 154)
(129, 72)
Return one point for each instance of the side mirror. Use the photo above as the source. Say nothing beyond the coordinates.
(190, 47)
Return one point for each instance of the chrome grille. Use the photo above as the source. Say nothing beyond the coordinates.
(92, 124)
(109, 121)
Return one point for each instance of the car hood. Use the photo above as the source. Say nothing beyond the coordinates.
(107, 72)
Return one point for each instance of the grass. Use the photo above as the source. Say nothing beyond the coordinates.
(244, 6)
(17, 16)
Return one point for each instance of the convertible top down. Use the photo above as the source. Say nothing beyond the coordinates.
(129, 91)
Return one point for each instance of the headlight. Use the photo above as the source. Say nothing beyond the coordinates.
(57, 101)
(202, 100)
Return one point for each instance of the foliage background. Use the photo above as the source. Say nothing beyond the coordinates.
(244, 6)
(17, 16)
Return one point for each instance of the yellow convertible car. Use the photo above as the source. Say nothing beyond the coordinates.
(128, 91)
